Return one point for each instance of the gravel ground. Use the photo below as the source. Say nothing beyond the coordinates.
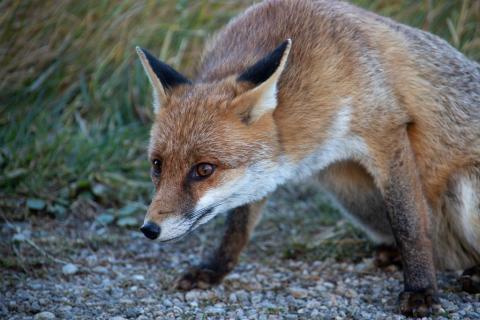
(114, 273)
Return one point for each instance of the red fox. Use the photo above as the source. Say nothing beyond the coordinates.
(387, 116)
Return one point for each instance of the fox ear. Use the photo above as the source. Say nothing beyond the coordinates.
(161, 76)
(264, 76)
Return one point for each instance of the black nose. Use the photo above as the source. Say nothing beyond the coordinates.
(150, 230)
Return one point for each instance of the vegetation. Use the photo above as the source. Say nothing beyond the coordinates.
(75, 104)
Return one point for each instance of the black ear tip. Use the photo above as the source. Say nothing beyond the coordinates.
(144, 52)
(147, 53)
(168, 76)
(285, 44)
(282, 47)
(140, 50)
(266, 66)
(150, 57)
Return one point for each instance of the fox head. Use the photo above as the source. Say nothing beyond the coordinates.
(213, 145)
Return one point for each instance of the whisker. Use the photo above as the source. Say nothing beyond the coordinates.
(195, 213)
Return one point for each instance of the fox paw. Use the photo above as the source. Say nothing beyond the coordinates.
(470, 280)
(418, 303)
(199, 277)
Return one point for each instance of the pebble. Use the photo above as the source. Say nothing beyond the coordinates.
(133, 312)
(138, 277)
(242, 296)
(192, 295)
(69, 269)
(35, 286)
(449, 306)
(34, 307)
(313, 304)
(167, 303)
(19, 237)
(214, 310)
(298, 293)
(44, 315)
(232, 298)
(100, 269)
(126, 301)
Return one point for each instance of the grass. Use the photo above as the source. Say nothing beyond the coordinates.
(75, 104)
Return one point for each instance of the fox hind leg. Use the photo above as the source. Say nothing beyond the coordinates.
(240, 224)
(461, 227)
(470, 279)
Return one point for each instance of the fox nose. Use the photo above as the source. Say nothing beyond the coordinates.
(150, 230)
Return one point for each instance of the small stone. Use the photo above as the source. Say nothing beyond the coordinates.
(118, 318)
(133, 312)
(214, 310)
(313, 304)
(233, 276)
(350, 293)
(269, 305)
(92, 260)
(100, 269)
(256, 298)
(65, 309)
(36, 204)
(69, 269)
(44, 315)
(35, 286)
(34, 307)
(243, 296)
(138, 277)
(298, 293)
(149, 300)
(232, 298)
(207, 295)
(192, 295)
(126, 301)
(167, 303)
(449, 306)
(19, 237)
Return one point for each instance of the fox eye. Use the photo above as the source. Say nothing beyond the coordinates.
(202, 171)
(156, 167)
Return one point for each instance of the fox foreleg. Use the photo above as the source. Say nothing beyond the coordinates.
(408, 213)
(240, 224)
